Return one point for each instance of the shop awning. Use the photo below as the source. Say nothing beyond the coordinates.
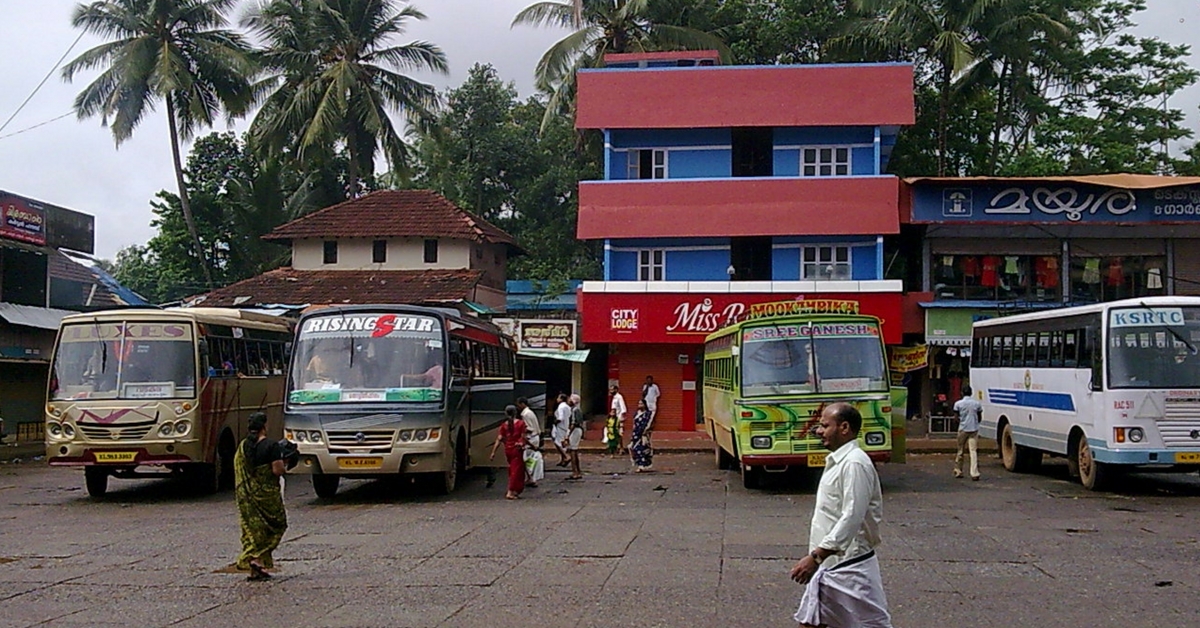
(553, 354)
(31, 316)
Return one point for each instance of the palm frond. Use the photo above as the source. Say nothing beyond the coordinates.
(547, 14)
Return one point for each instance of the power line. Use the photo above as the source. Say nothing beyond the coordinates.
(30, 128)
(44, 79)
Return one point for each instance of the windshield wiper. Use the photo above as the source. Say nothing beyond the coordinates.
(1191, 347)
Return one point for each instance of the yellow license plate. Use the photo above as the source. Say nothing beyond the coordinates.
(373, 462)
(1188, 456)
(115, 456)
(816, 460)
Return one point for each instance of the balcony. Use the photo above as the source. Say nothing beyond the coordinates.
(768, 206)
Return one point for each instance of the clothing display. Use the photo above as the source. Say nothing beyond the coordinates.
(1091, 270)
(1046, 271)
(990, 265)
(970, 267)
(1116, 273)
(1154, 279)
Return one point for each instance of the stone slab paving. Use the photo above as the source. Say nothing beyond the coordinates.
(686, 546)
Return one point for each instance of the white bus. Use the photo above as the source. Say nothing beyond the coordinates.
(1111, 386)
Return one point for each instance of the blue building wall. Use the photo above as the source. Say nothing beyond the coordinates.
(684, 263)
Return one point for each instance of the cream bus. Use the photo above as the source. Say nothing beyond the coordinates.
(148, 392)
(1111, 386)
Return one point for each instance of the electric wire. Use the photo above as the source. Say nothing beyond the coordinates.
(43, 82)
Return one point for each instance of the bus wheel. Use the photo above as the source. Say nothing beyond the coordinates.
(751, 476)
(723, 459)
(1092, 474)
(325, 486)
(96, 480)
(1017, 458)
(204, 478)
(445, 481)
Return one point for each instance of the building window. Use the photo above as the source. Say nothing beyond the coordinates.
(1106, 278)
(647, 164)
(825, 263)
(330, 253)
(1034, 278)
(431, 251)
(379, 251)
(651, 266)
(826, 161)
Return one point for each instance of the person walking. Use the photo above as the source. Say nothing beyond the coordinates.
(843, 587)
(651, 393)
(560, 429)
(639, 439)
(257, 466)
(969, 413)
(574, 436)
(617, 408)
(535, 469)
(512, 436)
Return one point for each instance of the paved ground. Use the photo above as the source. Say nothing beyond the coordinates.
(687, 546)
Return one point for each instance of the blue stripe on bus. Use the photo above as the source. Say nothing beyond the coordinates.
(1032, 399)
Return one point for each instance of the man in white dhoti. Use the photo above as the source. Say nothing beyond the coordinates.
(844, 588)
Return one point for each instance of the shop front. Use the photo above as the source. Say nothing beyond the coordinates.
(662, 335)
(948, 363)
(547, 350)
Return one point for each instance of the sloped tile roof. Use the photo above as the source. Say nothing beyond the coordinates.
(326, 287)
(393, 213)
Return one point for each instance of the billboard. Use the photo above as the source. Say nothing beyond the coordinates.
(1052, 202)
(21, 219)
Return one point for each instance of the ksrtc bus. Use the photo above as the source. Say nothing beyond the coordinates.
(386, 390)
(767, 379)
(1111, 386)
(146, 392)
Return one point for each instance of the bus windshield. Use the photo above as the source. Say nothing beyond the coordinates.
(1154, 347)
(356, 358)
(124, 360)
(800, 358)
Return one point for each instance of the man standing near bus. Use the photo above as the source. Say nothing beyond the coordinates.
(969, 411)
(617, 408)
(841, 573)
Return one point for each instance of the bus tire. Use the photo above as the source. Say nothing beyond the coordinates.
(204, 478)
(325, 485)
(96, 480)
(224, 461)
(446, 481)
(1017, 458)
(1093, 475)
(723, 459)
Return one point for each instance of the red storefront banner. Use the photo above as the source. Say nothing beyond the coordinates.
(688, 318)
(20, 220)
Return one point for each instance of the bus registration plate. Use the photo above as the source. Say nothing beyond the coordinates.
(1191, 457)
(816, 460)
(115, 456)
(372, 462)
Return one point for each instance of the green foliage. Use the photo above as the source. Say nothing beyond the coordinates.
(488, 157)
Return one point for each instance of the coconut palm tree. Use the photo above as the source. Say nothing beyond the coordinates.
(334, 78)
(601, 27)
(176, 51)
(955, 36)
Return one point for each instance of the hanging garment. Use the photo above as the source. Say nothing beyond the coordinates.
(988, 275)
(1091, 270)
(1045, 277)
(970, 266)
(1116, 274)
(1154, 279)
(946, 268)
(1010, 265)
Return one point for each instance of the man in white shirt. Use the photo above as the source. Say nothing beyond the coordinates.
(617, 408)
(844, 588)
(533, 443)
(969, 411)
(561, 429)
(651, 393)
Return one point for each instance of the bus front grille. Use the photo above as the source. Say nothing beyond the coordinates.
(768, 426)
(359, 439)
(127, 431)
(1180, 432)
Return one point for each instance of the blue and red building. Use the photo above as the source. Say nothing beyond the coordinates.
(726, 186)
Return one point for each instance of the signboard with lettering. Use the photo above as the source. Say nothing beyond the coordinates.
(22, 220)
(540, 333)
(1052, 202)
(688, 318)
(907, 359)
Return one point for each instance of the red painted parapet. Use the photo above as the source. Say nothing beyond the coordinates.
(738, 207)
(733, 96)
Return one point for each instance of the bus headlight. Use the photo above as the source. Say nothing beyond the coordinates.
(54, 430)
(182, 427)
(166, 430)
(1136, 435)
(301, 436)
(421, 435)
(68, 430)
(405, 436)
(314, 437)
(760, 442)
(874, 438)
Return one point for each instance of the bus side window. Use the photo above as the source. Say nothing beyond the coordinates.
(1091, 355)
(1070, 348)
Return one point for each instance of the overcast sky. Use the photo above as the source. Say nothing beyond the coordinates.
(75, 163)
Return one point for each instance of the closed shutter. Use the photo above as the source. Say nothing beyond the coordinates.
(662, 361)
(1187, 267)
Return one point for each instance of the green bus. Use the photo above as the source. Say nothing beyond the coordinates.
(768, 377)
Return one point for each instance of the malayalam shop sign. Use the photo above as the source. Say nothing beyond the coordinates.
(688, 318)
(1053, 202)
(540, 333)
(21, 220)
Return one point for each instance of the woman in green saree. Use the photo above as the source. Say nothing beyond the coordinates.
(258, 464)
